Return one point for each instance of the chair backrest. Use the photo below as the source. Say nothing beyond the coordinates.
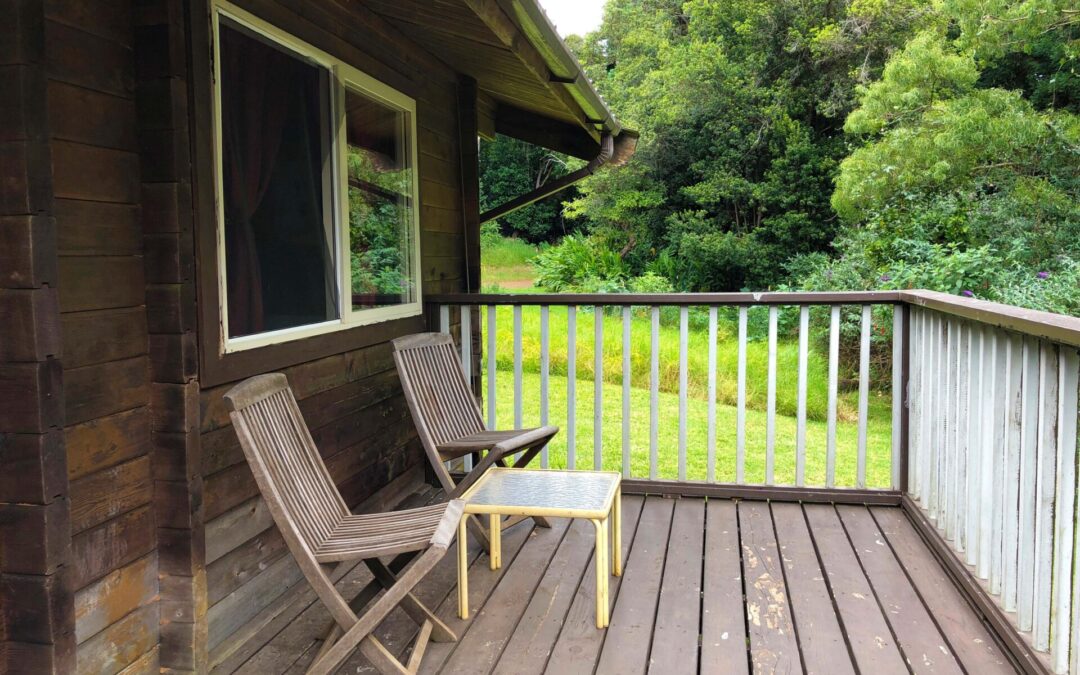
(439, 397)
(288, 469)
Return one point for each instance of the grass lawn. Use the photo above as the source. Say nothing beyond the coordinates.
(878, 445)
(505, 263)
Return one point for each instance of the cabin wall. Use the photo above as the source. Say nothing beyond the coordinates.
(37, 620)
(107, 398)
(351, 398)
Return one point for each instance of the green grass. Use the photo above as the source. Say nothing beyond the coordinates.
(878, 437)
(697, 361)
(506, 261)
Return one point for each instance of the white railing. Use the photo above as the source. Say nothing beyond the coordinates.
(816, 316)
(993, 456)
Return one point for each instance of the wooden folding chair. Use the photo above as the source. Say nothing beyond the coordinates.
(448, 419)
(320, 530)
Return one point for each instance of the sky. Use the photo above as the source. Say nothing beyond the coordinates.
(574, 17)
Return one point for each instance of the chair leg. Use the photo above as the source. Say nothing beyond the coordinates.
(381, 658)
(414, 608)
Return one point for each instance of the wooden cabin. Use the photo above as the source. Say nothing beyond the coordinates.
(193, 192)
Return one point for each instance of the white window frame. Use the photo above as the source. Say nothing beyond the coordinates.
(342, 75)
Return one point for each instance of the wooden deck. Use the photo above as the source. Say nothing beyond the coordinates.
(709, 587)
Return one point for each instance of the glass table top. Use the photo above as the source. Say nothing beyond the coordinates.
(543, 489)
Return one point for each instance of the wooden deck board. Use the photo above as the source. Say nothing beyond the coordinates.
(816, 580)
(821, 639)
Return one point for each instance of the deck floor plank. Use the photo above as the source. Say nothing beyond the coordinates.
(723, 631)
(629, 636)
(926, 650)
(868, 634)
(774, 647)
(821, 638)
(967, 634)
(826, 588)
(678, 616)
(578, 644)
(548, 613)
(480, 648)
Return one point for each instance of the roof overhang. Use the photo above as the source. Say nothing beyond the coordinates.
(530, 85)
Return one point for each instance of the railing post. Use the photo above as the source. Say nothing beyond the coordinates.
(902, 391)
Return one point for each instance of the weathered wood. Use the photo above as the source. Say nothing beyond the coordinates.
(27, 251)
(869, 637)
(92, 338)
(773, 643)
(106, 494)
(89, 61)
(923, 645)
(32, 396)
(32, 329)
(89, 282)
(626, 649)
(112, 545)
(967, 635)
(723, 632)
(97, 391)
(121, 644)
(112, 597)
(106, 441)
(32, 463)
(821, 638)
(678, 612)
(480, 648)
(97, 228)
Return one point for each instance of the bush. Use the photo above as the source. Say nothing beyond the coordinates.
(578, 261)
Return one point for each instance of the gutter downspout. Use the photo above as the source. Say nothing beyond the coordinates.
(607, 149)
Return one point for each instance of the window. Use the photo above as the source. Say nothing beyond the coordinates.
(316, 189)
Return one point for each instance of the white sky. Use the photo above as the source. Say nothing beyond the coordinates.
(574, 17)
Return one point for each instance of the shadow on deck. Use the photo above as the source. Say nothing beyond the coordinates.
(711, 587)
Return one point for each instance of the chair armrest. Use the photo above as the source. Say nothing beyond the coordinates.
(526, 439)
(444, 533)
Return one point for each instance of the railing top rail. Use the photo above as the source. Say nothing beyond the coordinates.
(1054, 327)
(669, 299)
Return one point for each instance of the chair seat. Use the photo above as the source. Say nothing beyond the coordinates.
(485, 440)
(381, 534)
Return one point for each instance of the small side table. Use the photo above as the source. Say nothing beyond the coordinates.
(595, 495)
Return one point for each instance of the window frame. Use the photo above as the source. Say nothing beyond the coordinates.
(341, 76)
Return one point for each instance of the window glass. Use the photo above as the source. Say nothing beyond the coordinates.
(380, 203)
(277, 185)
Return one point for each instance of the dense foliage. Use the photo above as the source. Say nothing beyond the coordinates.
(840, 145)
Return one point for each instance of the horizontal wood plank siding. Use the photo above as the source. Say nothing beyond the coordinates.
(349, 394)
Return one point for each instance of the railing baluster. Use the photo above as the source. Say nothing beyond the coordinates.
(626, 375)
(684, 329)
(914, 397)
(598, 387)
(491, 367)
(654, 393)
(466, 361)
(466, 342)
(936, 343)
(800, 415)
(710, 461)
(1045, 468)
(976, 459)
(1002, 383)
(864, 392)
(1029, 433)
(545, 373)
(740, 409)
(1014, 364)
(571, 385)
(987, 460)
(1064, 623)
(517, 368)
(770, 422)
(958, 477)
(444, 319)
(948, 445)
(897, 391)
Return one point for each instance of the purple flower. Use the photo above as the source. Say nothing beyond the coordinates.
(886, 277)
(967, 294)
(1043, 275)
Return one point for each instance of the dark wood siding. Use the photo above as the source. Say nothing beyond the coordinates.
(108, 421)
(346, 383)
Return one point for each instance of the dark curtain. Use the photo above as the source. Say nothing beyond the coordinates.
(255, 100)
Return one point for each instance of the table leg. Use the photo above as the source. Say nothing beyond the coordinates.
(616, 538)
(496, 541)
(463, 570)
(601, 572)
